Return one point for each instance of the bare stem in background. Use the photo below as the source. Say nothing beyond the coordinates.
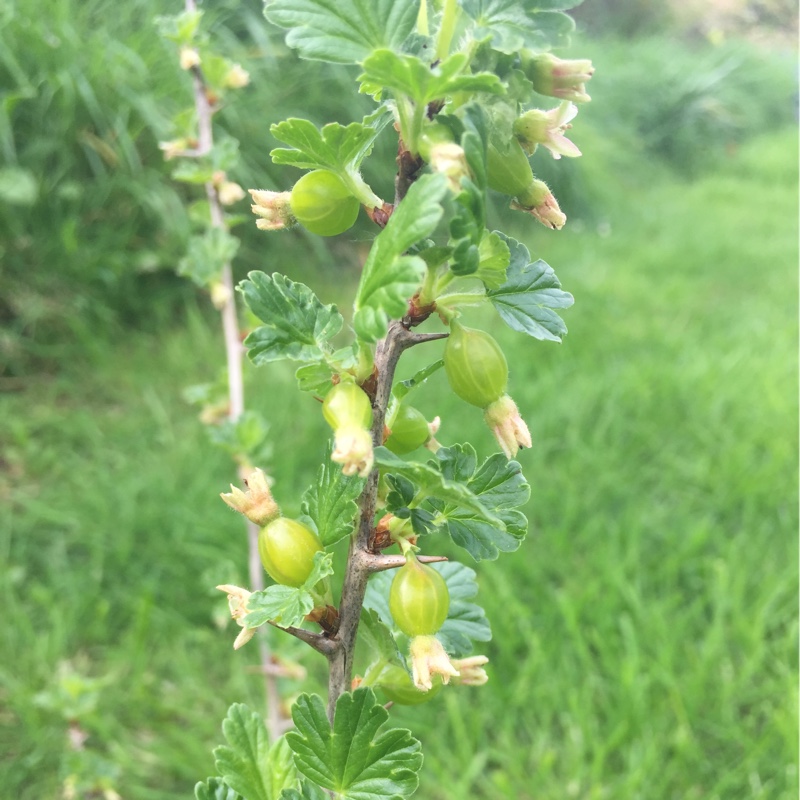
(233, 355)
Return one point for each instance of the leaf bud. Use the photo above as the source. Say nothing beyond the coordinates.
(547, 128)
(538, 201)
(273, 210)
(508, 427)
(559, 77)
(257, 503)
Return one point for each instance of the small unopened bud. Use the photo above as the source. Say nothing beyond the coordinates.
(508, 427)
(559, 77)
(429, 658)
(236, 77)
(547, 128)
(471, 671)
(273, 210)
(256, 503)
(448, 159)
(229, 193)
(189, 58)
(539, 202)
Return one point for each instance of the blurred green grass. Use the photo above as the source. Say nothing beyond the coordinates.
(646, 632)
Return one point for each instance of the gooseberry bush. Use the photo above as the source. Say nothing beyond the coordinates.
(470, 90)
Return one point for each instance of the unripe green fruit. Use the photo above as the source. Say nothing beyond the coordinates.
(398, 687)
(323, 204)
(287, 549)
(475, 366)
(419, 599)
(409, 431)
(346, 405)
(508, 170)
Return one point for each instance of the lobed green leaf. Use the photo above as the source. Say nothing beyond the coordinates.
(288, 605)
(207, 255)
(435, 484)
(530, 293)
(353, 759)
(330, 501)
(296, 324)
(215, 789)
(511, 25)
(411, 76)
(343, 31)
(335, 147)
(499, 485)
(248, 765)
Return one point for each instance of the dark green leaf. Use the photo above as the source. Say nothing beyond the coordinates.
(390, 278)
(466, 622)
(296, 324)
(353, 759)
(499, 485)
(435, 484)
(527, 299)
(330, 501)
(248, 764)
(343, 31)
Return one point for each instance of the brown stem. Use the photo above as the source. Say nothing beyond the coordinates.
(233, 357)
(319, 642)
(340, 659)
(379, 563)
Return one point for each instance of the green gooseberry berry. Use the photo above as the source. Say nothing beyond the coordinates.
(475, 366)
(323, 204)
(287, 549)
(409, 431)
(419, 599)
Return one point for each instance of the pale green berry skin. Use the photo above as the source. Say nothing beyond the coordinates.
(287, 550)
(409, 431)
(419, 599)
(398, 687)
(347, 404)
(323, 204)
(508, 170)
(475, 366)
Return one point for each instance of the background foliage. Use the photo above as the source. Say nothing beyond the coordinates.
(645, 637)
